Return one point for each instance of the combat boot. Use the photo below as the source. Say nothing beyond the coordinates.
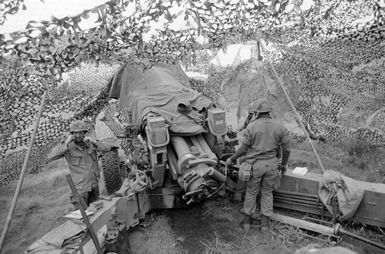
(265, 223)
(246, 222)
(254, 216)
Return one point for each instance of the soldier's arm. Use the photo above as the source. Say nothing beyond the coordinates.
(245, 145)
(57, 152)
(285, 145)
(99, 145)
(242, 149)
(60, 150)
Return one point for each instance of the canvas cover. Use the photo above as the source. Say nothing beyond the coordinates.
(161, 90)
(66, 236)
(345, 190)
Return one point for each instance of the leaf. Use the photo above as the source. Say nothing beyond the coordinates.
(77, 19)
(168, 15)
(60, 31)
(85, 14)
(99, 18)
(76, 27)
(66, 25)
(54, 19)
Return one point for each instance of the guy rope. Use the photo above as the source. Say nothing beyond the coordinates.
(293, 108)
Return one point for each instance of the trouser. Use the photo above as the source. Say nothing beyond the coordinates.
(264, 176)
(87, 196)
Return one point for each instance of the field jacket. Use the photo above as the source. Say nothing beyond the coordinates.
(82, 162)
(265, 137)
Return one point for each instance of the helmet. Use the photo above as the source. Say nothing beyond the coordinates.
(262, 106)
(252, 108)
(78, 125)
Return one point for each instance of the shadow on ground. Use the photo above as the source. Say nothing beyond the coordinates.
(209, 227)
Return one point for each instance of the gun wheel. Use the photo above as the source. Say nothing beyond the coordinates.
(111, 170)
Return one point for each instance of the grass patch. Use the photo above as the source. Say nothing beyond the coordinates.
(43, 199)
(354, 158)
(216, 246)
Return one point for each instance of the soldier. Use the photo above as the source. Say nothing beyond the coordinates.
(262, 140)
(80, 152)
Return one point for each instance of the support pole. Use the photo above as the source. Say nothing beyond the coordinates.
(22, 173)
(84, 215)
(368, 241)
(337, 229)
(294, 109)
(321, 229)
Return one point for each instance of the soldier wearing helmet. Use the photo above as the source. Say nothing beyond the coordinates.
(251, 110)
(80, 152)
(263, 139)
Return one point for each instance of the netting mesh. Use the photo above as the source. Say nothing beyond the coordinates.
(81, 97)
(337, 87)
(334, 76)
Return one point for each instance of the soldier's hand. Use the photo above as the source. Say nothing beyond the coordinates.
(229, 162)
(89, 139)
(69, 139)
(282, 169)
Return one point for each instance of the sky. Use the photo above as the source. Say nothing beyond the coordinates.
(39, 11)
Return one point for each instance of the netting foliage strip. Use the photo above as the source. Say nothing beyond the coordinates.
(82, 97)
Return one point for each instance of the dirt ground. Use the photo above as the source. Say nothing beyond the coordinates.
(209, 227)
(214, 227)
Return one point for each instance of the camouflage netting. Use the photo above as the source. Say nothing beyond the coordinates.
(81, 97)
(336, 99)
(335, 78)
(330, 57)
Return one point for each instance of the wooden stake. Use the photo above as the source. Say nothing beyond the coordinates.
(84, 215)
